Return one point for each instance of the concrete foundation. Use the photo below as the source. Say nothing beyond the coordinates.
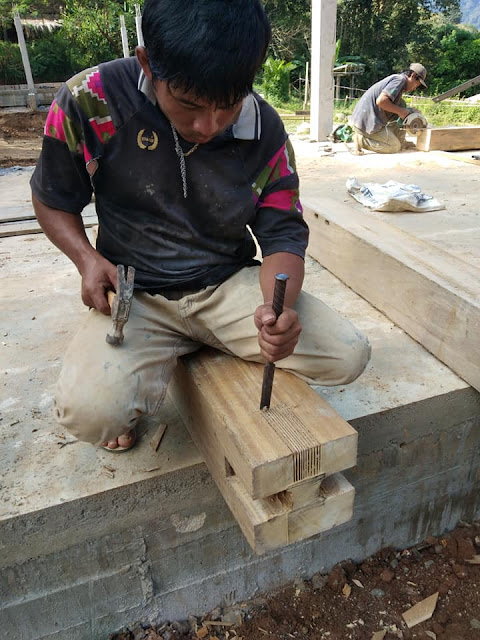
(91, 541)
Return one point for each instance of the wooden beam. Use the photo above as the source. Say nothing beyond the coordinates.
(457, 89)
(432, 295)
(449, 139)
(304, 510)
(334, 508)
(28, 226)
(299, 437)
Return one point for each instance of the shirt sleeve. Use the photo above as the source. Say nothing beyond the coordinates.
(394, 88)
(279, 225)
(60, 179)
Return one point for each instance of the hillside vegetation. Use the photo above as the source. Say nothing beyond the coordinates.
(471, 12)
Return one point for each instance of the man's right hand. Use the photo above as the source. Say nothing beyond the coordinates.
(98, 276)
(67, 232)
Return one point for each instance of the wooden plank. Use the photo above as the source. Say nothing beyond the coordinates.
(16, 213)
(457, 89)
(27, 227)
(432, 295)
(273, 522)
(449, 139)
(299, 437)
(20, 212)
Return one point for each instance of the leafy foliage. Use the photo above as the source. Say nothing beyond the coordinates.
(94, 29)
(11, 67)
(276, 79)
(386, 35)
(51, 58)
(290, 21)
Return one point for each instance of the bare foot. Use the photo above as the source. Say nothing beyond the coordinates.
(122, 443)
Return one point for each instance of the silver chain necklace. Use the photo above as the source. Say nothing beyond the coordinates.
(181, 156)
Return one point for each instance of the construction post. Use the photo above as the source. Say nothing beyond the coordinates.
(138, 24)
(324, 16)
(123, 31)
(307, 87)
(32, 96)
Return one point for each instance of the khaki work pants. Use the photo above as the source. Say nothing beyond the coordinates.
(103, 390)
(390, 139)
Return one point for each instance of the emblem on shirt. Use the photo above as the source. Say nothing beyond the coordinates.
(147, 139)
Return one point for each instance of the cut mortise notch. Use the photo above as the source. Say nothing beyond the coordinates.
(229, 470)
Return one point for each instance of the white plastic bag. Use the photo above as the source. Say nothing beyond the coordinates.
(392, 196)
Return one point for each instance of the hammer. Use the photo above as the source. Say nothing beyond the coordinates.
(120, 303)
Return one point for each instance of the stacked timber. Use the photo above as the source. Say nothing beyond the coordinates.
(277, 469)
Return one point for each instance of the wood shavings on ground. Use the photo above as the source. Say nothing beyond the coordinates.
(421, 611)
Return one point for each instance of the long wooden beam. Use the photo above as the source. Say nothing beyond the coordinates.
(432, 295)
(457, 89)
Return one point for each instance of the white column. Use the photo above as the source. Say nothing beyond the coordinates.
(138, 24)
(123, 31)
(324, 16)
(32, 97)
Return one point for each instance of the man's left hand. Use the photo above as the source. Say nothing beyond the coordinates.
(277, 337)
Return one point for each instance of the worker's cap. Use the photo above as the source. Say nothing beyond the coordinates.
(420, 70)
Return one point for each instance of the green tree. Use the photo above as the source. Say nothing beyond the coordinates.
(457, 59)
(290, 20)
(276, 79)
(93, 29)
(380, 31)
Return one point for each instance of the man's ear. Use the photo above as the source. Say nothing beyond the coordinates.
(142, 57)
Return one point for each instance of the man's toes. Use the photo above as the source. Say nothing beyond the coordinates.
(126, 440)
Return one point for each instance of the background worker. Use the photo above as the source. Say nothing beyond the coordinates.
(375, 117)
(184, 160)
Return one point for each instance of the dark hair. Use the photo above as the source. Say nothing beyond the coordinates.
(212, 48)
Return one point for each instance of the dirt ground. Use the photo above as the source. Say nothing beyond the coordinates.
(355, 601)
(21, 135)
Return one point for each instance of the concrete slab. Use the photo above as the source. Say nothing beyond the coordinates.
(455, 229)
(41, 307)
(91, 541)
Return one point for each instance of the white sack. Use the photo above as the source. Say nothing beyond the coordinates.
(392, 196)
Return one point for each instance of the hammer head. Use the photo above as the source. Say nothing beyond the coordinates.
(121, 303)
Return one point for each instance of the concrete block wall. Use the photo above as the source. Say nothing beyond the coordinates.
(18, 96)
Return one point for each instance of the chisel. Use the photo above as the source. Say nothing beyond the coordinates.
(269, 369)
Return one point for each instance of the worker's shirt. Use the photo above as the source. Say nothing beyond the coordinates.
(243, 178)
(367, 115)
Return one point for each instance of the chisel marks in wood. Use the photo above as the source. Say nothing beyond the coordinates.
(293, 432)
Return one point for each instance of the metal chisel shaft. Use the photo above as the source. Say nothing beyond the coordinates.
(269, 369)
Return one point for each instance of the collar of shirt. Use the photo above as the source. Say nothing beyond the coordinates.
(248, 125)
